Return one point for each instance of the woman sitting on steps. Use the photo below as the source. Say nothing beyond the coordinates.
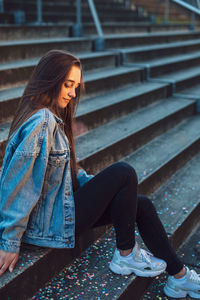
(46, 199)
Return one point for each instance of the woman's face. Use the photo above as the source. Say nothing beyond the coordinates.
(69, 86)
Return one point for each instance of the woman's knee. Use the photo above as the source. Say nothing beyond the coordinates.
(126, 171)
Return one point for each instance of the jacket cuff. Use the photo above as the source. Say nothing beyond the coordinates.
(83, 177)
(10, 246)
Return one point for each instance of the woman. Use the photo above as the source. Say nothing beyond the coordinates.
(45, 198)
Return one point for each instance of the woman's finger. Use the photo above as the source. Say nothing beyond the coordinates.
(4, 267)
(13, 263)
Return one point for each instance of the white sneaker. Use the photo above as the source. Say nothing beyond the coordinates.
(139, 261)
(188, 285)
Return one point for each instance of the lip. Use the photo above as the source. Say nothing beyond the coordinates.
(66, 99)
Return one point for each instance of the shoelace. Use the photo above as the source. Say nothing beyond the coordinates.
(146, 256)
(194, 277)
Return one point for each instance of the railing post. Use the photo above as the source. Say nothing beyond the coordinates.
(1, 6)
(39, 12)
(127, 3)
(77, 28)
(166, 11)
(192, 21)
(99, 43)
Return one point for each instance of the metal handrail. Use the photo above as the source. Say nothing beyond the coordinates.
(193, 10)
(187, 6)
(99, 43)
(95, 18)
(39, 12)
(2, 6)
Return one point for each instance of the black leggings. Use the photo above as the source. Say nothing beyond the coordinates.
(110, 197)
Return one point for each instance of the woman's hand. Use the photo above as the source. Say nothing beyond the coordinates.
(7, 260)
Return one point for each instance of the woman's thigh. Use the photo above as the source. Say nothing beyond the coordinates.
(93, 199)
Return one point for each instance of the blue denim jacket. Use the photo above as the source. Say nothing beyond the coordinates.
(36, 196)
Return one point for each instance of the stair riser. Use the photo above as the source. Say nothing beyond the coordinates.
(47, 9)
(190, 82)
(102, 116)
(173, 67)
(17, 52)
(31, 17)
(127, 145)
(153, 54)
(8, 109)
(14, 76)
(6, 18)
(148, 40)
(115, 29)
(121, 28)
(31, 32)
(13, 33)
(153, 182)
(22, 74)
(2, 151)
(101, 85)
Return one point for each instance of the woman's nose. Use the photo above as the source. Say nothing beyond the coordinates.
(72, 93)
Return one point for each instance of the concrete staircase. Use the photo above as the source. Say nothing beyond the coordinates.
(140, 106)
(59, 16)
(157, 8)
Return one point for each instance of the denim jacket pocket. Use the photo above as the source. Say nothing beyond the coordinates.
(57, 158)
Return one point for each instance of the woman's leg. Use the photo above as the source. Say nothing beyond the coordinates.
(113, 191)
(154, 235)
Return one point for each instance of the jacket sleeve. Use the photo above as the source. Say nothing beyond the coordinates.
(83, 177)
(22, 177)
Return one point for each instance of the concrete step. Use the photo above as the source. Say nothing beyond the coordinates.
(95, 111)
(15, 72)
(88, 277)
(19, 32)
(129, 27)
(189, 78)
(184, 141)
(66, 6)
(24, 49)
(120, 137)
(192, 92)
(175, 63)
(10, 32)
(95, 83)
(131, 130)
(58, 17)
(154, 52)
(130, 40)
(178, 69)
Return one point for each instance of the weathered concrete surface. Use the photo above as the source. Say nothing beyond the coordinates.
(189, 253)
(89, 277)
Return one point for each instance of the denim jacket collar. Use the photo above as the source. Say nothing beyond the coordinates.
(58, 120)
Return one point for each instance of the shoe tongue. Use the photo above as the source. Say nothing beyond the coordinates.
(137, 253)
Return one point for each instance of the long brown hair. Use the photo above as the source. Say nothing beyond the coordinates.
(42, 91)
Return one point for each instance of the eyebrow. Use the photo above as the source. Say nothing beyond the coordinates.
(70, 80)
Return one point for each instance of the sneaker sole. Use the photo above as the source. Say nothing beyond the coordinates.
(179, 294)
(125, 271)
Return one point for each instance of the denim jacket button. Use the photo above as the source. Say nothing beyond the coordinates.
(68, 219)
(57, 160)
(67, 194)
